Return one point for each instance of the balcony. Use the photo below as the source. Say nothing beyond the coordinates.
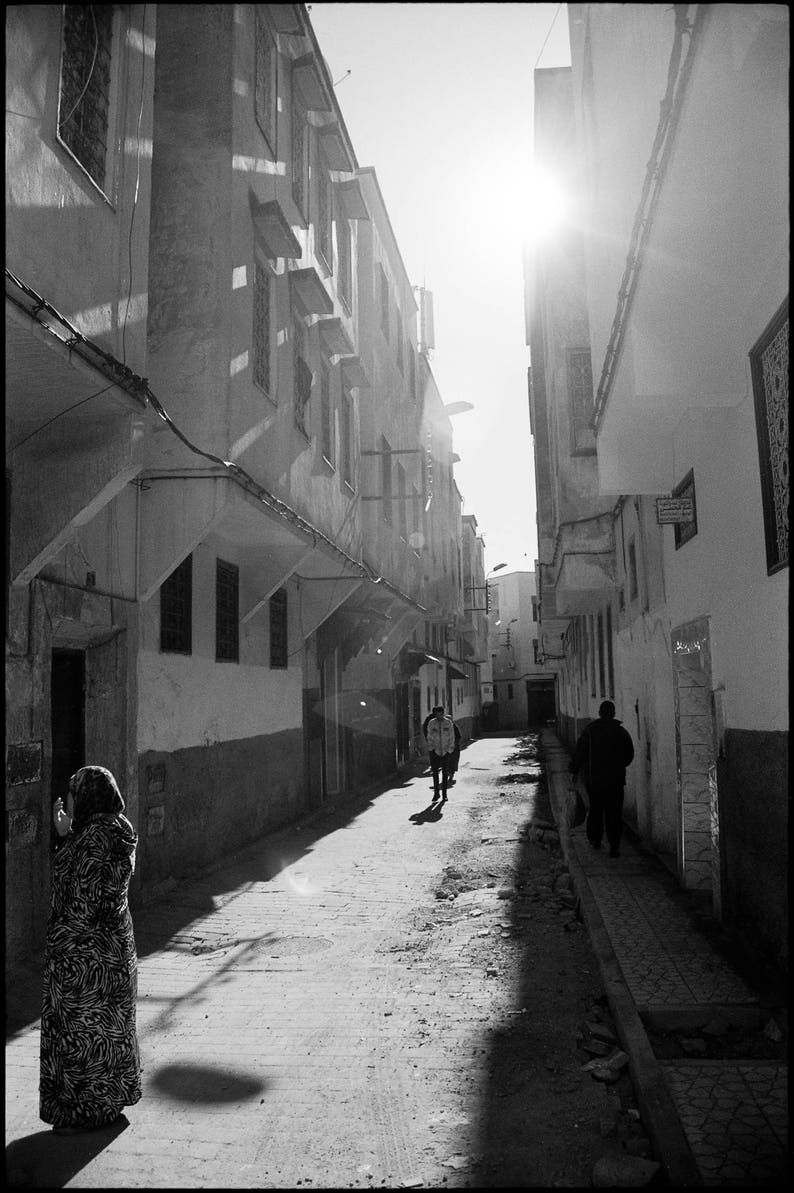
(582, 572)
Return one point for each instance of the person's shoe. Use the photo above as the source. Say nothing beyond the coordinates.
(614, 851)
(443, 799)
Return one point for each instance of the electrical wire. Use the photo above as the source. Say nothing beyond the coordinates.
(55, 417)
(548, 35)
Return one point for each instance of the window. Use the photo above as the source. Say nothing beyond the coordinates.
(302, 374)
(326, 414)
(261, 336)
(324, 212)
(535, 652)
(402, 512)
(534, 608)
(84, 106)
(300, 156)
(384, 302)
(416, 537)
(412, 371)
(684, 531)
(633, 586)
(176, 609)
(345, 268)
(580, 386)
(610, 659)
(266, 80)
(347, 436)
(399, 338)
(509, 691)
(227, 612)
(385, 479)
(278, 629)
(769, 365)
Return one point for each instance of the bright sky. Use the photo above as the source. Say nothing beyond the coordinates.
(439, 102)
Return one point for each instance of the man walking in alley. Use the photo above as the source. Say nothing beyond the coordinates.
(441, 747)
(603, 752)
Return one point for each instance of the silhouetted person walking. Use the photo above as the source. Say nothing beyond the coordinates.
(602, 753)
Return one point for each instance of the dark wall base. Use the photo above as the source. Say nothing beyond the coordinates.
(753, 795)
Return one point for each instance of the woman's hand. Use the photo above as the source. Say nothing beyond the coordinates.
(61, 819)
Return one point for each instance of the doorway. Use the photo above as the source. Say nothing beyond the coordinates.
(67, 712)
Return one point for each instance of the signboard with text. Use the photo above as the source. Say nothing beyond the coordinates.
(674, 509)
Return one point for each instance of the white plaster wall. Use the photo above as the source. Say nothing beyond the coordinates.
(721, 573)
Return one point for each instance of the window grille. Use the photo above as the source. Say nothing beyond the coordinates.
(278, 629)
(343, 248)
(402, 511)
(415, 514)
(227, 612)
(684, 531)
(769, 364)
(261, 334)
(299, 164)
(176, 608)
(266, 80)
(302, 375)
(592, 639)
(84, 110)
(580, 382)
(326, 414)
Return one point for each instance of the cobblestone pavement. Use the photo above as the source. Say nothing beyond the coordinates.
(733, 1110)
(316, 1012)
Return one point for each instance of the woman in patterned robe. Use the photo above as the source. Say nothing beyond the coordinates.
(90, 1067)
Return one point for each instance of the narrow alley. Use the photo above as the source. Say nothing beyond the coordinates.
(375, 998)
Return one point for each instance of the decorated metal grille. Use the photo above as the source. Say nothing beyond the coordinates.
(769, 361)
(85, 84)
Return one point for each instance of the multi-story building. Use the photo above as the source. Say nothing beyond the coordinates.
(79, 87)
(473, 627)
(681, 151)
(523, 682)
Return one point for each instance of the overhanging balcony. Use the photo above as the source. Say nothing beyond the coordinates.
(582, 572)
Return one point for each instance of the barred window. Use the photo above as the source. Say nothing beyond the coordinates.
(266, 80)
(278, 629)
(84, 108)
(684, 531)
(302, 374)
(769, 364)
(261, 336)
(580, 384)
(610, 656)
(345, 264)
(176, 609)
(227, 612)
(326, 414)
(300, 165)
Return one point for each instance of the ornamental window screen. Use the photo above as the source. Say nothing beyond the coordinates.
(684, 531)
(227, 612)
(266, 81)
(176, 609)
(278, 629)
(345, 267)
(326, 414)
(261, 336)
(580, 386)
(302, 375)
(769, 365)
(84, 108)
(299, 167)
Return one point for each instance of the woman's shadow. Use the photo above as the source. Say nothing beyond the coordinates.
(431, 813)
(44, 1160)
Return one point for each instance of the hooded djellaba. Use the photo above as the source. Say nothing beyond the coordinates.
(90, 1067)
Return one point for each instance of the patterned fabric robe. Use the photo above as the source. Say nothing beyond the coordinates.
(90, 1067)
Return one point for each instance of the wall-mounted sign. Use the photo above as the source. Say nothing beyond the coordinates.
(674, 509)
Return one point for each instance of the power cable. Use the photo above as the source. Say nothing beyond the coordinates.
(55, 417)
(548, 35)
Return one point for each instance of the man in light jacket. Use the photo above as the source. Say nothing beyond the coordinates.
(441, 748)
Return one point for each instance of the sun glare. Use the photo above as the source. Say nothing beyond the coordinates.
(548, 206)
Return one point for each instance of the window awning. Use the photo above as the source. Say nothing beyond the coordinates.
(310, 292)
(273, 231)
(455, 673)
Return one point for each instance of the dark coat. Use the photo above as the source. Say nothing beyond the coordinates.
(602, 753)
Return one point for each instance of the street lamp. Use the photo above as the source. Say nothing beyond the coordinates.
(482, 588)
